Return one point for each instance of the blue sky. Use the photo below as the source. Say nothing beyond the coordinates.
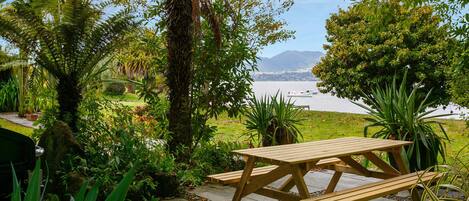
(308, 19)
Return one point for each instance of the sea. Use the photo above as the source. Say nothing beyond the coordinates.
(329, 102)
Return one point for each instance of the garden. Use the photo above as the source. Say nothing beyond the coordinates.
(142, 100)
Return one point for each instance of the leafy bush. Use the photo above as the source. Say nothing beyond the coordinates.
(114, 89)
(113, 139)
(273, 120)
(210, 158)
(9, 96)
(33, 191)
(404, 116)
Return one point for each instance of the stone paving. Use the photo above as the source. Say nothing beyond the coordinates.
(316, 181)
(14, 118)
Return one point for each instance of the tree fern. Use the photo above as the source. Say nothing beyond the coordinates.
(71, 40)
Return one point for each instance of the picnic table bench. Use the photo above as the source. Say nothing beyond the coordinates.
(296, 160)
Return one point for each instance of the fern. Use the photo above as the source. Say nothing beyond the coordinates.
(72, 41)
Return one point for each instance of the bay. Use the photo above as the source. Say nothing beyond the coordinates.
(327, 102)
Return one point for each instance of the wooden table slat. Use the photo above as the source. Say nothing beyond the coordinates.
(316, 150)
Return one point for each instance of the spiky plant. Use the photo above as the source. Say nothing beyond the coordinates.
(401, 115)
(273, 120)
(73, 41)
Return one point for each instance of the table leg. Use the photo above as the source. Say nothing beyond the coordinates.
(244, 178)
(298, 175)
(289, 183)
(380, 163)
(333, 183)
(403, 169)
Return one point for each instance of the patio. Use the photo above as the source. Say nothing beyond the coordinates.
(316, 182)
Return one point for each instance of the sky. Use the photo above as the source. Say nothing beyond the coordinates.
(308, 19)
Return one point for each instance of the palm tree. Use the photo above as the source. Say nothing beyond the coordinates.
(72, 41)
(179, 74)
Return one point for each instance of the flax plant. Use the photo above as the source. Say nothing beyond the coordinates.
(401, 115)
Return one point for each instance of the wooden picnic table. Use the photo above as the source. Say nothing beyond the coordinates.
(298, 159)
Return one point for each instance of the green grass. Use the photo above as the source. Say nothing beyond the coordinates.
(126, 97)
(15, 127)
(316, 126)
(328, 125)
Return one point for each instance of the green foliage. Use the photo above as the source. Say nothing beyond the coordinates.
(9, 95)
(406, 116)
(273, 120)
(144, 56)
(33, 191)
(228, 36)
(454, 183)
(74, 44)
(114, 89)
(5, 72)
(373, 40)
(223, 67)
(111, 147)
(41, 95)
(210, 158)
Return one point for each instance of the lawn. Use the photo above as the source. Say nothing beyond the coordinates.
(15, 127)
(326, 125)
(315, 126)
(127, 99)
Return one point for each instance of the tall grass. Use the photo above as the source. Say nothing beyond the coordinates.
(9, 96)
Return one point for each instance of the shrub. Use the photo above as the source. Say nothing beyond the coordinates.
(113, 140)
(114, 89)
(33, 191)
(9, 96)
(273, 120)
(111, 135)
(58, 143)
(210, 158)
(404, 116)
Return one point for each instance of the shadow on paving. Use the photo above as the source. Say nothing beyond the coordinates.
(316, 182)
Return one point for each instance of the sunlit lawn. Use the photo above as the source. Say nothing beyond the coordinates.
(15, 127)
(316, 126)
(127, 99)
(327, 125)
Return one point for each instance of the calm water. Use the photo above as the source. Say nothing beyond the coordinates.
(322, 102)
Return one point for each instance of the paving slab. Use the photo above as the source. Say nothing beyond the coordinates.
(14, 118)
(316, 181)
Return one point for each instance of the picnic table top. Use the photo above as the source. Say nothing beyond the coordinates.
(322, 149)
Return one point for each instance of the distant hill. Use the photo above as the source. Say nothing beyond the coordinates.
(290, 61)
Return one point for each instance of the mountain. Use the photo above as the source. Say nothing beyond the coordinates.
(290, 61)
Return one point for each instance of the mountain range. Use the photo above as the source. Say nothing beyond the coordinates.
(290, 61)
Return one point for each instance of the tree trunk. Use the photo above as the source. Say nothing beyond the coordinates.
(69, 97)
(179, 74)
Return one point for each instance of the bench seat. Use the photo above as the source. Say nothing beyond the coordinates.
(234, 177)
(379, 189)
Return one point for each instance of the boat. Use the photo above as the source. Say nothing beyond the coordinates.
(307, 93)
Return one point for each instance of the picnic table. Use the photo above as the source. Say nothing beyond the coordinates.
(298, 159)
